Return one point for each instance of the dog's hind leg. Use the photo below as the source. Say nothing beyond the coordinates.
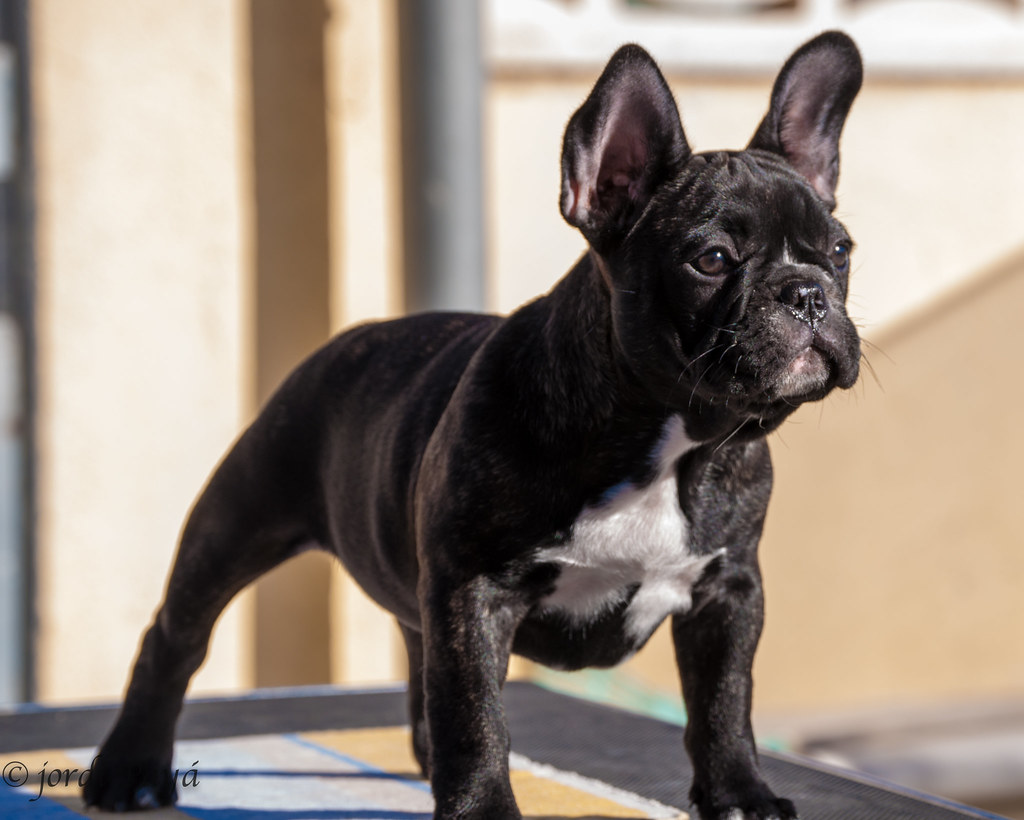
(245, 523)
(417, 715)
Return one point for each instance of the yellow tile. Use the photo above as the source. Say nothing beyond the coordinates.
(539, 797)
(388, 748)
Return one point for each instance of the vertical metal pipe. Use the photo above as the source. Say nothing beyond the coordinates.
(442, 157)
(13, 569)
(16, 381)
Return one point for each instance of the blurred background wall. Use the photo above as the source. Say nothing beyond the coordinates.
(217, 187)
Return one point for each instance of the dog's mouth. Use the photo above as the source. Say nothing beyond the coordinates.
(809, 373)
(769, 369)
(815, 371)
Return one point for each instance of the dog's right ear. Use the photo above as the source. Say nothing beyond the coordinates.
(623, 142)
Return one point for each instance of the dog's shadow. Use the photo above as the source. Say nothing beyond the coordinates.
(681, 816)
(170, 813)
(73, 802)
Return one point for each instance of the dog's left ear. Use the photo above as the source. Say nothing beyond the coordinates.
(810, 100)
(620, 145)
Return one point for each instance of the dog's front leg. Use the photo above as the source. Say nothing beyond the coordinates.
(715, 651)
(468, 629)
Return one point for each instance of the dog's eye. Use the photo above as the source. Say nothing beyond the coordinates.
(840, 257)
(713, 263)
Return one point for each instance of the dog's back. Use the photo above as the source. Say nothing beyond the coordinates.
(345, 449)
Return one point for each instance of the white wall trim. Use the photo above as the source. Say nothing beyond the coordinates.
(902, 37)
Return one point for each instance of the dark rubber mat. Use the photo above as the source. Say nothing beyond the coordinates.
(631, 752)
(646, 756)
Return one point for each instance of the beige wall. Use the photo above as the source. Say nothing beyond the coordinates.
(291, 273)
(913, 591)
(173, 296)
(143, 313)
(196, 214)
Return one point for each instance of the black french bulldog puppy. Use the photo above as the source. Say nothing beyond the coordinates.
(558, 482)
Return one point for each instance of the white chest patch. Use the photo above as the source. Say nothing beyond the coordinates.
(635, 539)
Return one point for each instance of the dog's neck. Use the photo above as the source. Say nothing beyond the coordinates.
(572, 357)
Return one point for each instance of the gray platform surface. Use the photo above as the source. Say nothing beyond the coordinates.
(635, 753)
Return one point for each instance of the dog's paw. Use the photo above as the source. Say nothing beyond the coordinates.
(485, 804)
(774, 808)
(755, 801)
(119, 784)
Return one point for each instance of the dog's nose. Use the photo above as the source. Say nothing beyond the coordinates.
(806, 300)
